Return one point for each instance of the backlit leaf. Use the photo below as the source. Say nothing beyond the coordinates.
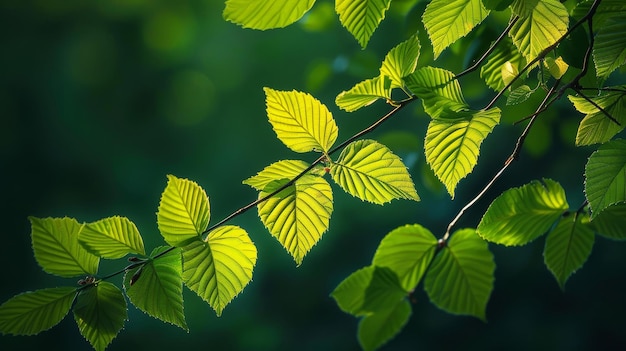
(605, 176)
(438, 89)
(57, 250)
(557, 67)
(519, 95)
(218, 268)
(491, 70)
(364, 93)
(112, 237)
(401, 61)
(284, 169)
(611, 222)
(520, 215)
(300, 121)
(378, 328)
(609, 50)
(460, 279)
(596, 127)
(361, 17)
(369, 171)
(265, 14)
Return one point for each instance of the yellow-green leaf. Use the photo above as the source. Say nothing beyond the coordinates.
(364, 93)
(112, 237)
(361, 17)
(377, 328)
(284, 169)
(440, 93)
(596, 126)
(609, 51)
(401, 61)
(605, 176)
(265, 14)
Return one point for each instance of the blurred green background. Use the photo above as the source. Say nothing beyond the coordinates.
(99, 101)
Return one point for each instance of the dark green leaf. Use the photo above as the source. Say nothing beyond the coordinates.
(605, 176)
(611, 222)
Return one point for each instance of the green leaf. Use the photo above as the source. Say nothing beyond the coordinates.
(364, 93)
(299, 215)
(265, 14)
(520, 215)
(541, 24)
(100, 312)
(183, 212)
(460, 279)
(369, 171)
(491, 70)
(557, 67)
(361, 17)
(519, 95)
(408, 251)
(368, 290)
(401, 61)
(284, 169)
(452, 145)
(300, 121)
(611, 222)
(567, 247)
(597, 127)
(157, 287)
(378, 328)
(112, 237)
(497, 5)
(446, 21)
(605, 176)
(609, 49)
(605, 10)
(32, 312)
(438, 89)
(57, 250)
(218, 268)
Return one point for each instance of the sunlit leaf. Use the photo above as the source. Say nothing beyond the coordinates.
(361, 17)
(452, 145)
(401, 61)
(446, 21)
(567, 247)
(112, 237)
(157, 287)
(519, 95)
(438, 89)
(284, 169)
(597, 127)
(605, 10)
(520, 215)
(57, 250)
(408, 251)
(32, 312)
(497, 5)
(219, 268)
(100, 312)
(369, 171)
(364, 93)
(299, 215)
(609, 50)
(378, 328)
(300, 121)
(265, 14)
(460, 279)
(491, 70)
(183, 211)
(605, 176)
(557, 67)
(611, 222)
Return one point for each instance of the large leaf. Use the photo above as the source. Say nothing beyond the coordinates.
(520, 215)
(605, 176)
(611, 222)
(183, 211)
(439, 91)
(597, 127)
(57, 250)
(408, 251)
(265, 14)
(401, 61)
(378, 328)
(298, 215)
(284, 169)
(218, 268)
(460, 279)
(452, 145)
(541, 24)
(369, 290)
(112, 237)
(491, 70)
(300, 121)
(361, 17)
(609, 50)
(157, 287)
(446, 21)
(370, 171)
(100, 312)
(33, 312)
(364, 93)
(568, 246)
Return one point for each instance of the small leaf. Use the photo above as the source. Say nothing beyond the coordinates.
(605, 176)
(158, 291)
(365, 93)
(460, 279)
(520, 215)
(407, 251)
(557, 67)
(378, 328)
(300, 121)
(284, 169)
(32, 312)
(567, 247)
(509, 72)
(609, 50)
(265, 14)
(438, 89)
(361, 17)
(57, 250)
(219, 268)
(519, 95)
(446, 21)
(112, 237)
(491, 71)
(597, 127)
(183, 211)
(369, 171)
(401, 61)
(100, 312)
(611, 222)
